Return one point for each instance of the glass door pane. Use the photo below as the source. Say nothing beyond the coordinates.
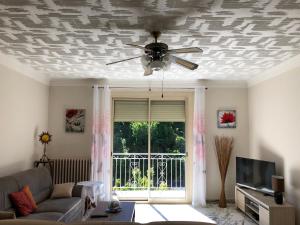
(130, 160)
(167, 160)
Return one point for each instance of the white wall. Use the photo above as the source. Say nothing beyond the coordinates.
(78, 145)
(23, 115)
(225, 98)
(274, 119)
(72, 145)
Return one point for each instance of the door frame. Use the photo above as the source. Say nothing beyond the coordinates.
(188, 97)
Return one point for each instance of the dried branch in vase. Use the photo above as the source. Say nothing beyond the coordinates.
(224, 146)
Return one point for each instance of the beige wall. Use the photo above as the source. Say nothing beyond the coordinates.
(274, 119)
(78, 145)
(23, 115)
(74, 145)
(225, 98)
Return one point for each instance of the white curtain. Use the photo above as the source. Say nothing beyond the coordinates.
(199, 166)
(100, 154)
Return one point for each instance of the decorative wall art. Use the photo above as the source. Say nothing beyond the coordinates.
(45, 138)
(75, 120)
(226, 118)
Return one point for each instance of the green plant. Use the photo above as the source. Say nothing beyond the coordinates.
(124, 148)
(163, 186)
(137, 181)
(118, 183)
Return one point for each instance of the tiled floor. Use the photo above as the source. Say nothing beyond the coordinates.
(183, 212)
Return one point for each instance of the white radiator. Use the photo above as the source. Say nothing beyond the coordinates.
(71, 170)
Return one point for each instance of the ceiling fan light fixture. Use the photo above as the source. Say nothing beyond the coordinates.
(157, 65)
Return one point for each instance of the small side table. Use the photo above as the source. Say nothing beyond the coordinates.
(49, 163)
(94, 190)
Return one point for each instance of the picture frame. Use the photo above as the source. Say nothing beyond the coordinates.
(74, 120)
(226, 118)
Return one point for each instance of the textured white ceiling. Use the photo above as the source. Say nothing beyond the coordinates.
(75, 38)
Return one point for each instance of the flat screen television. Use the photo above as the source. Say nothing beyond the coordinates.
(255, 174)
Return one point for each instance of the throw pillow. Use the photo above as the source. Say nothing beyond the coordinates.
(27, 191)
(62, 190)
(21, 203)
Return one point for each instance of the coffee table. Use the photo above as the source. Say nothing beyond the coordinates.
(127, 213)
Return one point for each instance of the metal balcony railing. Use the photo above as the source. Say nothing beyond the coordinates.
(131, 171)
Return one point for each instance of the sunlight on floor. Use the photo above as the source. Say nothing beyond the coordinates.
(168, 212)
(154, 194)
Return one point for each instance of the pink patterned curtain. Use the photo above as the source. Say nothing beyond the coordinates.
(199, 167)
(100, 154)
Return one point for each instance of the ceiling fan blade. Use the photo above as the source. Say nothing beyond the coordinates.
(185, 50)
(123, 60)
(185, 63)
(137, 46)
(148, 71)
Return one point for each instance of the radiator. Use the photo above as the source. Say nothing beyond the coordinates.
(71, 170)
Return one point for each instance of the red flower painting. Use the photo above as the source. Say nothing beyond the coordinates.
(226, 118)
(71, 112)
(75, 120)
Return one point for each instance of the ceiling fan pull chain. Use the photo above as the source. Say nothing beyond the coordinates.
(162, 84)
(149, 89)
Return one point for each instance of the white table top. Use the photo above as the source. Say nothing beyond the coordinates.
(90, 183)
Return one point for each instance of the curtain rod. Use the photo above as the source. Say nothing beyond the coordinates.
(148, 88)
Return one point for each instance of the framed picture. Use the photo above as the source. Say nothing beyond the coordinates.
(226, 118)
(75, 120)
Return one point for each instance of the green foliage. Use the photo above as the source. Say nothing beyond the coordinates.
(163, 186)
(139, 136)
(137, 181)
(132, 137)
(136, 175)
(180, 143)
(118, 182)
(124, 148)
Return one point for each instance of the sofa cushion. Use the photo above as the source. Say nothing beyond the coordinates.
(29, 222)
(53, 216)
(5, 215)
(62, 205)
(7, 185)
(39, 181)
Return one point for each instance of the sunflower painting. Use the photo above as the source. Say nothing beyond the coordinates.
(75, 120)
(226, 118)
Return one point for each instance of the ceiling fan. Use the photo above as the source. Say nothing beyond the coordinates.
(157, 56)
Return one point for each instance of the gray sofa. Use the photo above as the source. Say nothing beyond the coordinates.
(40, 183)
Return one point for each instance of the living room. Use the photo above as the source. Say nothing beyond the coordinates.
(53, 59)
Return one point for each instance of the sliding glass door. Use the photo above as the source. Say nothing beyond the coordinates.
(149, 149)
(167, 151)
(130, 149)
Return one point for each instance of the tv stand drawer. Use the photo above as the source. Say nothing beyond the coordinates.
(264, 216)
(240, 200)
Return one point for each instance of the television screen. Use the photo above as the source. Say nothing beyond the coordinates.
(255, 174)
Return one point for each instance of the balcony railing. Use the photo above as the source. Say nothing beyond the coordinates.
(131, 171)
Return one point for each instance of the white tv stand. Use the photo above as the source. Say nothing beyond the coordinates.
(262, 209)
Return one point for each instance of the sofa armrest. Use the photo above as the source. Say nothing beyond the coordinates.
(77, 191)
(4, 215)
